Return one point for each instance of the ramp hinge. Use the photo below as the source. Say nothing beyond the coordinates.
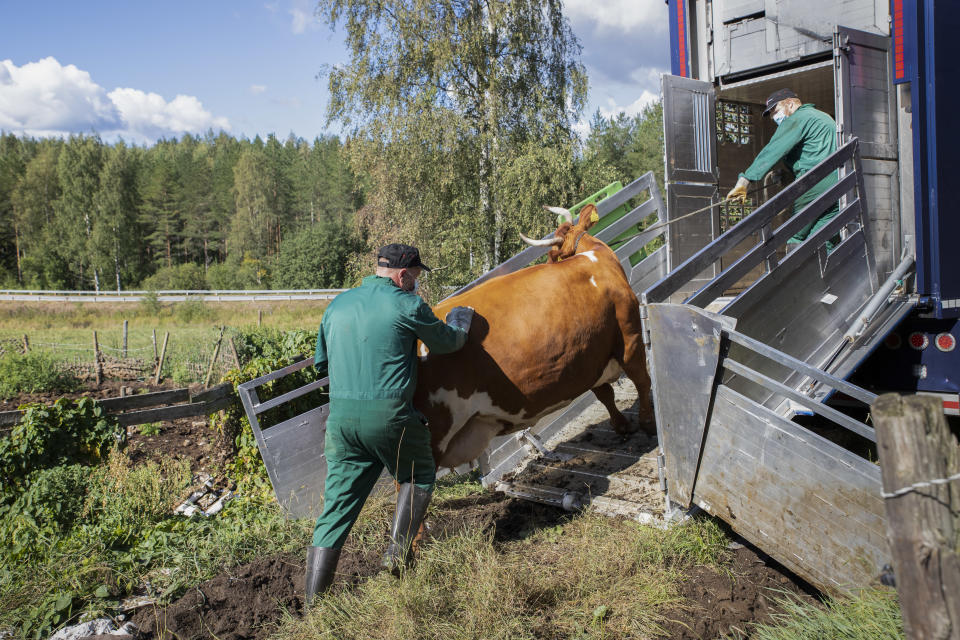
(662, 471)
(644, 331)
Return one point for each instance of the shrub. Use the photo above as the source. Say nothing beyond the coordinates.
(234, 274)
(183, 276)
(50, 436)
(33, 372)
(192, 309)
(150, 304)
(316, 257)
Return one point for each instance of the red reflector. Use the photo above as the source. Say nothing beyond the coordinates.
(946, 342)
(893, 341)
(919, 341)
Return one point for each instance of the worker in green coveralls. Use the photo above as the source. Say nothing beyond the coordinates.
(367, 344)
(805, 137)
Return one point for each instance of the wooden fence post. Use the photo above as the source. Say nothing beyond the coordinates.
(163, 354)
(918, 457)
(26, 344)
(123, 350)
(259, 317)
(233, 349)
(213, 360)
(97, 361)
(155, 356)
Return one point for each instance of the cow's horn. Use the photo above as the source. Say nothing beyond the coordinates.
(546, 242)
(560, 211)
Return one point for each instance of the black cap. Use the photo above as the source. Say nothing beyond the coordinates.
(400, 256)
(776, 97)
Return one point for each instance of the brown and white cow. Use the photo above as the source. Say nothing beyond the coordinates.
(541, 336)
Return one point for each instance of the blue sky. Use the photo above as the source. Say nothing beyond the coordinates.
(145, 70)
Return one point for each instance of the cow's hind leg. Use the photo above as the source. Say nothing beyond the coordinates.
(635, 366)
(618, 421)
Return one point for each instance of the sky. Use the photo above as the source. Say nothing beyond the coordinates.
(145, 70)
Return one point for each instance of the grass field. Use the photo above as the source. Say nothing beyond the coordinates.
(65, 330)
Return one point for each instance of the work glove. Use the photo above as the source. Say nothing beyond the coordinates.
(739, 192)
(460, 317)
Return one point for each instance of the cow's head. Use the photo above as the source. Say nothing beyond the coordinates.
(568, 238)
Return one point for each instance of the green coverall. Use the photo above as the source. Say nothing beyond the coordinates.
(367, 343)
(803, 140)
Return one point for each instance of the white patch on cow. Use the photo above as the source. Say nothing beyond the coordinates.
(611, 373)
(470, 442)
(463, 409)
(423, 350)
(590, 254)
(593, 281)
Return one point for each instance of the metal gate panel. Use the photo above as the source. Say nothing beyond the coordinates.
(687, 237)
(812, 505)
(866, 109)
(689, 125)
(686, 355)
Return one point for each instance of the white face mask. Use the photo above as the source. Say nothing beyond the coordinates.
(779, 117)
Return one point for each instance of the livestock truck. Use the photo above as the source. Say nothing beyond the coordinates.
(763, 363)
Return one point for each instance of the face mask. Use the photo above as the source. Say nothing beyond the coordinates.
(779, 117)
(412, 288)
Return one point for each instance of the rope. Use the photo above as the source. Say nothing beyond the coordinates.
(920, 485)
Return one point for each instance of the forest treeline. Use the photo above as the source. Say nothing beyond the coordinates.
(219, 212)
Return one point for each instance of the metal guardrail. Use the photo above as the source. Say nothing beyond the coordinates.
(168, 295)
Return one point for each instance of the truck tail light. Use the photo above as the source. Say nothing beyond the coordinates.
(945, 342)
(918, 340)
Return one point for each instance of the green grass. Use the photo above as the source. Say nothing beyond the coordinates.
(871, 614)
(63, 332)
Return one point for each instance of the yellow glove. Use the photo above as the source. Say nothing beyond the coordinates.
(739, 192)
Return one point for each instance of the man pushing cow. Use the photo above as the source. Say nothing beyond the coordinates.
(542, 336)
(367, 344)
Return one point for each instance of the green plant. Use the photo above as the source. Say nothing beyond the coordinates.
(50, 436)
(149, 429)
(192, 309)
(869, 614)
(183, 374)
(150, 303)
(33, 372)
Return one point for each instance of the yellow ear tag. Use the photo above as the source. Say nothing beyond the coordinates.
(594, 217)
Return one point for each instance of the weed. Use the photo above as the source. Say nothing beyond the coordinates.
(150, 303)
(149, 429)
(191, 310)
(870, 614)
(33, 372)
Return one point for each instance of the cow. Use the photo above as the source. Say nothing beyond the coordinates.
(541, 336)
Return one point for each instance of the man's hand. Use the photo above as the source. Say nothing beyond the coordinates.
(739, 192)
(460, 317)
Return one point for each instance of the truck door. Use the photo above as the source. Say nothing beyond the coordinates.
(865, 108)
(689, 127)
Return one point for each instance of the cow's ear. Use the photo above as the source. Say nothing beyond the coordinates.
(588, 217)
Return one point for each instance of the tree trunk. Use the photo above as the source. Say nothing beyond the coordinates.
(918, 454)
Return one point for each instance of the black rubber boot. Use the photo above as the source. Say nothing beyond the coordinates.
(321, 567)
(412, 504)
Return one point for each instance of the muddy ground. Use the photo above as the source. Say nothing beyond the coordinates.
(248, 601)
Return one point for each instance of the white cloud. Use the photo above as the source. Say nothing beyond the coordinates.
(300, 20)
(45, 98)
(618, 15)
(632, 109)
(257, 88)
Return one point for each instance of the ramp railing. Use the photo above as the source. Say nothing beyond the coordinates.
(812, 504)
(772, 239)
(292, 450)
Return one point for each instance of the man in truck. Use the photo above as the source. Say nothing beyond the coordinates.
(805, 137)
(367, 345)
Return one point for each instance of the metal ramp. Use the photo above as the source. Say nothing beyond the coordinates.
(292, 450)
(728, 386)
(807, 303)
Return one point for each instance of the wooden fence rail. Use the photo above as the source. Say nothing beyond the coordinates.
(165, 405)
